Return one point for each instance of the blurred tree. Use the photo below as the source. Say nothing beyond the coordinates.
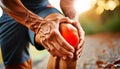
(104, 16)
(111, 20)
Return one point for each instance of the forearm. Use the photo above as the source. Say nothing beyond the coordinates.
(68, 9)
(17, 11)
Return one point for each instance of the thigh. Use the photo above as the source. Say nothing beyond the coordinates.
(13, 40)
(47, 11)
(25, 65)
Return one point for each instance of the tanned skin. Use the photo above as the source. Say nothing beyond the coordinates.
(57, 46)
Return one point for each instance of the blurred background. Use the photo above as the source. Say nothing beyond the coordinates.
(103, 16)
(100, 20)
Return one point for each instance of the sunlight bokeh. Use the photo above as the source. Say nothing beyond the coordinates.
(55, 3)
(1, 12)
(83, 5)
(80, 5)
(101, 5)
(106, 5)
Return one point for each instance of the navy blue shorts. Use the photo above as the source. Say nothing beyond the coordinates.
(15, 38)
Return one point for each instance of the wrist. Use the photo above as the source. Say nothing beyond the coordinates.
(33, 21)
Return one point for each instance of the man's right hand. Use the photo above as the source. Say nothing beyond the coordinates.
(48, 35)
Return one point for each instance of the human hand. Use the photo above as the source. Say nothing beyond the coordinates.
(81, 34)
(49, 36)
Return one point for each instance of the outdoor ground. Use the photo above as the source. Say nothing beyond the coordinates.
(102, 47)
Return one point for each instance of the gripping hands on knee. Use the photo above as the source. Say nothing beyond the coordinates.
(48, 35)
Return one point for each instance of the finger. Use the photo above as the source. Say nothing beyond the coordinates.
(79, 50)
(81, 34)
(60, 48)
(78, 26)
(54, 44)
(66, 20)
(78, 56)
(55, 53)
(81, 42)
(44, 42)
(63, 52)
(54, 20)
(52, 50)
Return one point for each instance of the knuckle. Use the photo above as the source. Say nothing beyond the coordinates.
(53, 54)
(62, 43)
(52, 34)
(83, 32)
(52, 49)
(59, 49)
(53, 31)
(81, 39)
(57, 18)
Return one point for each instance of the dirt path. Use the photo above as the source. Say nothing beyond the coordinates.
(102, 46)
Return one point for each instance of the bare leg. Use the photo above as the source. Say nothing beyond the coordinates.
(24, 65)
(59, 63)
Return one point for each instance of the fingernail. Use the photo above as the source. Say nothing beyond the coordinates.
(77, 53)
(64, 57)
(71, 56)
(55, 57)
(72, 51)
(77, 58)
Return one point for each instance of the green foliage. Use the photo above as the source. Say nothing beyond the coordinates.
(90, 27)
(112, 22)
(108, 21)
